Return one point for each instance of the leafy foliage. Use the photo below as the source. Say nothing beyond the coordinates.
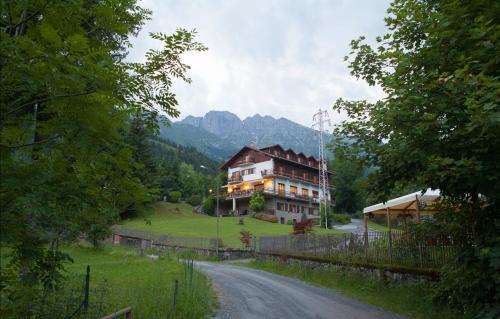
(174, 196)
(439, 127)
(209, 205)
(257, 202)
(68, 102)
(194, 200)
(303, 226)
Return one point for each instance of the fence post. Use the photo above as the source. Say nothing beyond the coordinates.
(87, 290)
(254, 245)
(421, 260)
(176, 287)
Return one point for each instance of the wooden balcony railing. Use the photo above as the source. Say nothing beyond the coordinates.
(249, 192)
(234, 179)
(268, 172)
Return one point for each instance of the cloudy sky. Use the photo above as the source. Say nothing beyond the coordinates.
(279, 58)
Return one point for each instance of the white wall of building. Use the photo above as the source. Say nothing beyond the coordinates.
(259, 167)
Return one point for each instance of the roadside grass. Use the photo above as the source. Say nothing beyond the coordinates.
(411, 299)
(178, 219)
(377, 227)
(119, 278)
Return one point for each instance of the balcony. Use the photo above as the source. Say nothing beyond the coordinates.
(235, 179)
(292, 195)
(267, 172)
(245, 161)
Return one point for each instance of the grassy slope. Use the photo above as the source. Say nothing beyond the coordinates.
(165, 220)
(377, 227)
(412, 300)
(144, 284)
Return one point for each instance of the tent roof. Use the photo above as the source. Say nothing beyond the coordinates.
(406, 204)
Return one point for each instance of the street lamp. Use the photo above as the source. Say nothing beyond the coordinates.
(216, 211)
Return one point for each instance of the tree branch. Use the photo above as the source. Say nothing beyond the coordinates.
(5, 115)
(29, 144)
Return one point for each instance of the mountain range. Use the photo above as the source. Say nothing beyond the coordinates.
(219, 134)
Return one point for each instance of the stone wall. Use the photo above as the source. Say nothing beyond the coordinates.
(386, 274)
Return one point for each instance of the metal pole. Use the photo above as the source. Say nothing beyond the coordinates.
(87, 290)
(218, 217)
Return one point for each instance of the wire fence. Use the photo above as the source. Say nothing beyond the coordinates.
(138, 238)
(398, 248)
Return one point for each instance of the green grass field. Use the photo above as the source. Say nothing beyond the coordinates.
(119, 277)
(166, 220)
(411, 299)
(144, 284)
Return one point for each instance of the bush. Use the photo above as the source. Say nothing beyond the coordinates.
(266, 217)
(339, 219)
(174, 196)
(257, 202)
(209, 205)
(194, 200)
(303, 227)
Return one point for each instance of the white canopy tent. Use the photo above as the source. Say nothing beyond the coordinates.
(414, 204)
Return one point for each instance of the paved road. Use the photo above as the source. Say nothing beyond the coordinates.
(248, 293)
(356, 226)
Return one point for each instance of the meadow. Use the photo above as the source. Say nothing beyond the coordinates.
(120, 278)
(179, 220)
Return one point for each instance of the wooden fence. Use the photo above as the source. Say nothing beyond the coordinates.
(397, 248)
(164, 240)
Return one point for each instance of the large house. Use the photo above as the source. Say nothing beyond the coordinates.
(289, 182)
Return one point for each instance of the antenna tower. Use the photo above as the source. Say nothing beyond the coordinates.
(321, 119)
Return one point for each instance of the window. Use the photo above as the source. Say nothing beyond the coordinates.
(281, 187)
(293, 189)
(315, 194)
(311, 211)
(250, 171)
(305, 192)
(280, 206)
(293, 208)
(302, 209)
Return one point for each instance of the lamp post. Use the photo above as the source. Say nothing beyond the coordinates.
(216, 211)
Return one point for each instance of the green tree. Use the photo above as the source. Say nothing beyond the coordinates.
(210, 205)
(349, 184)
(439, 126)
(257, 202)
(66, 100)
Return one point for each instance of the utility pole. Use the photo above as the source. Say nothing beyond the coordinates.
(321, 119)
(217, 211)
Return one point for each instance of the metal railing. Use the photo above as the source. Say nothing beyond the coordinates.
(398, 248)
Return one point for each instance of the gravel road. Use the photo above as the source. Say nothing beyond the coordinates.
(248, 293)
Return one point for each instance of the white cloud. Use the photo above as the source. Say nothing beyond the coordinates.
(279, 58)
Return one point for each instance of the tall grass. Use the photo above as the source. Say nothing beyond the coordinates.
(410, 299)
(119, 277)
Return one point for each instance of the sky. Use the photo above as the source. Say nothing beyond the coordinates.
(282, 58)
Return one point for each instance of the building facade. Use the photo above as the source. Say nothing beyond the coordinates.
(288, 181)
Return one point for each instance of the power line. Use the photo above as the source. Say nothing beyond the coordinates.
(321, 119)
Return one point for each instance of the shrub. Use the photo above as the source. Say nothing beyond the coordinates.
(303, 227)
(209, 205)
(266, 217)
(257, 202)
(174, 196)
(194, 200)
(339, 218)
(246, 237)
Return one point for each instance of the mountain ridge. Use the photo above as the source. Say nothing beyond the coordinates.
(221, 133)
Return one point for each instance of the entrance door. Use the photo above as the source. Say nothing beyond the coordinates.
(282, 220)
